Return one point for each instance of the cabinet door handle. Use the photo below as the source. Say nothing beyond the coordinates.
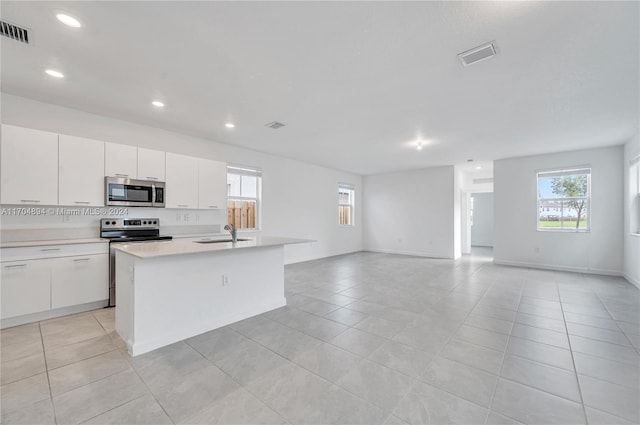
(50, 249)
(183, 206)
(213, 206)
(81, 260)
(152, 178)
(122, 175)
(15, 266)
(82, 202)
(35, 201)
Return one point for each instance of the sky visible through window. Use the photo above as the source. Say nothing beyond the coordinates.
(545, 190)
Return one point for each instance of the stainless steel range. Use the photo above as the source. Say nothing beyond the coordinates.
(127, 230)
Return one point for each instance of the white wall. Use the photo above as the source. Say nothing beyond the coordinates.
(299, 199)
(516, 240)
(482, 229)
(632, 211)
(410, 212)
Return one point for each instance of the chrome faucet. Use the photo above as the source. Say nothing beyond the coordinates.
(234, 232)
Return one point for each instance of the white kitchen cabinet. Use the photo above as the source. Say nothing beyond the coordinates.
(151, 164)
(182, 181)
(80, 171)
(79, 280)
(120, 160)
(29, 166)
(25, 287)
(212, 184)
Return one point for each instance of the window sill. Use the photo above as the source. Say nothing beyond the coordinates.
(564, 230)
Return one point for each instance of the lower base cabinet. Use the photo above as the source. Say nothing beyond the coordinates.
(25, 287)
(79, 280)
(42, 278)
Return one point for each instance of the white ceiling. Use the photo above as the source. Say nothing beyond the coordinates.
(355, 82)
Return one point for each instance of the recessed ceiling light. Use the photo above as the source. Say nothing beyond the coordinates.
(54, 73)
(230, 125)
(68, 20)
(158, 104)
(419, 147)
(478, 168)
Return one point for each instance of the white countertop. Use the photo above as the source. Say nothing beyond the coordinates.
(178, 247)
(20, 244)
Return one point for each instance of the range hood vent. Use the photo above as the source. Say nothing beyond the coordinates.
(275, 125)
(14, 32)
(478, 54)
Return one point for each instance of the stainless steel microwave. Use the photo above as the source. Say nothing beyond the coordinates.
(127, 192)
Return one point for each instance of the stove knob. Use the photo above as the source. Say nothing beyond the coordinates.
(155, 222)
(144, 222)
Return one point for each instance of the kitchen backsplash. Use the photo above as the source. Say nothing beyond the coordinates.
(24, 223)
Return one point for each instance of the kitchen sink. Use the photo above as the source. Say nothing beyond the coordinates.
(221, 240)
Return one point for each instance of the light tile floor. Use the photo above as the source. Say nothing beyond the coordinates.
(366, 338)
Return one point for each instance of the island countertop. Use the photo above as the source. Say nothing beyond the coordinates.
(178, 247)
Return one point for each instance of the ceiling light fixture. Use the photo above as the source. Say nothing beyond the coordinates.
(68, 20)
(478, 168)
(230, 125)
(419, 147)
(157, 104)
(54, 73)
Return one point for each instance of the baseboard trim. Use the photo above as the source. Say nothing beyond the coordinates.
(51, 314)
(585, 270)
(631, 280)
(412, 253)
(136, 348)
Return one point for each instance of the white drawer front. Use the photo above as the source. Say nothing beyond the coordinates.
(52, 251)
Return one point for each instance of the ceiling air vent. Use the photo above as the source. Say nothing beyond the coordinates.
(477, 54)
(483, 181)
(14, 32)
(275, 125)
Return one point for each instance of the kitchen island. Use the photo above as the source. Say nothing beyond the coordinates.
(172, 290)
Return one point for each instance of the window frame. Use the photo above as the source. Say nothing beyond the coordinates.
(352, 205)
(559, 172)
(242, 170)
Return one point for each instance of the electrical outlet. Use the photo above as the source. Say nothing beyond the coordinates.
(186, 217)
(225, 279)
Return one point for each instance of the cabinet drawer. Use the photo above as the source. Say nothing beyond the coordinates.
(79, 280)
(52, 251)
(25, 288)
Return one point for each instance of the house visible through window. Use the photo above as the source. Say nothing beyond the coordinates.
(564, 198)
(346, 195)
(244, 187)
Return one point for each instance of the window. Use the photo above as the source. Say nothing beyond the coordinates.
(346, 198)
(634, 194)
(244, 187)
(564, 198)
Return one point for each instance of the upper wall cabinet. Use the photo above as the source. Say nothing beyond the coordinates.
(120, 160)
(182, 181)
(212, 184)
(29, 166)
(151, 164)
(81, 171)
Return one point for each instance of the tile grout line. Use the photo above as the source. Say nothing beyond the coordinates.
(504, 356)
(46, 369)
(573, 361)
(616, 322)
